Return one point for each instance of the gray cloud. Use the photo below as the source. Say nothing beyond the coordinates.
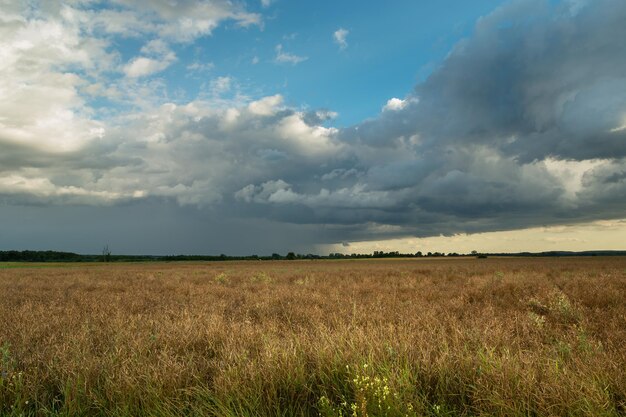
(540, 83)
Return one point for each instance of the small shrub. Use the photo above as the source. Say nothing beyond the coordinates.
(537, 320)
(222, 278)
(262, 278)
(562, 309)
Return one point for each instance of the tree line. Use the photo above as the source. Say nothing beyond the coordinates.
(107, 256)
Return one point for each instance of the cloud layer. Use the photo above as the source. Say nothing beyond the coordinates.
(522, 125)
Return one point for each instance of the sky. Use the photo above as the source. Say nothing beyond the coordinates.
(205, 127)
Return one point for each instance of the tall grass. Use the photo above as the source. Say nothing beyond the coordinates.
(465, 337)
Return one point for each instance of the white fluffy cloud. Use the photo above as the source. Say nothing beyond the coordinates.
(40, 101)
(340, 36)
(394, 104)
(156, 56)
(266, 106)
(142, 66)
(196, 154)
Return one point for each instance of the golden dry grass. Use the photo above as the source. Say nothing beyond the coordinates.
(375, 337)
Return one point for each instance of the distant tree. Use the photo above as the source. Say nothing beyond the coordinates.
(275, 256)
(291, 256)
(106, 254)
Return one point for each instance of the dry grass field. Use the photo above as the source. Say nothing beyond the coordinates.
(466, 337)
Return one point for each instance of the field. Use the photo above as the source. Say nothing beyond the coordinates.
(467, 337)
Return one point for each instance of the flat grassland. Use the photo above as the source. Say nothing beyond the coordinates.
(425, 337)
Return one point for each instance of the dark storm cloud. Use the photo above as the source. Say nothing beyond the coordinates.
(533, 81)
(606, 186)
(474, 146)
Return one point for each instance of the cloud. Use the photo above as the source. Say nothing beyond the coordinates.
(36, 188)
(394, 104)
(157, 57)
(518, 119)
(533, 81)
(41, 105)
(182, 21)
(221, 85)
(200, 66)
(340, 36)
(283, 57)
(520, 126)
(142, 66)
(58, 56)
(196, 154)
(266, 106)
